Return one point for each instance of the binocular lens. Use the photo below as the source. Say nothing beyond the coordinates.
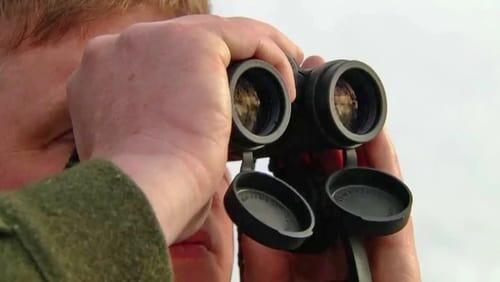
(247, 104)
(346, 104)
(258, 101)
(358, 102)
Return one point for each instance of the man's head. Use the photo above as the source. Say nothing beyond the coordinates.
(41, 44)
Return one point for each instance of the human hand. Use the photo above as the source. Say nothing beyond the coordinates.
(392, 258)
(155, 101)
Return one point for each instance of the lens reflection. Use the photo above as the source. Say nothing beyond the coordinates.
(346, 105)
(247, 104)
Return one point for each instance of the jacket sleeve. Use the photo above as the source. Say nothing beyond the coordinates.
(90, 223)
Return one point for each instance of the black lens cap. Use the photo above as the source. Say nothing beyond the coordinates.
(269, 210)
(369, 202)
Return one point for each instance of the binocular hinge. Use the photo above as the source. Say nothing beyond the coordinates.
(350, 158)
(247, 162)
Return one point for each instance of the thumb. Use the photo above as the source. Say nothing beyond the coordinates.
(261, 264)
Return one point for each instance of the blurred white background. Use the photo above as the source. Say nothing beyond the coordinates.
(440, 64)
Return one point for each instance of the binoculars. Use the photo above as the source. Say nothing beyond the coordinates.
(339, 105)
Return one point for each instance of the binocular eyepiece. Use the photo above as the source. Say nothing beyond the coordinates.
(340, 104)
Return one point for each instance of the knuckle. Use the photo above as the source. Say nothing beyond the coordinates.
(299, 53)
(249, 21)
(93, 49)
(193, 36)
(194, 22)
(181, 31)
(213, 17)
(255, 26)
(267, 28)
(197, 19)
(242, 20)
(130, 36)
(70, 85)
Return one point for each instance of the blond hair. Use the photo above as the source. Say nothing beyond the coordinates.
(41, 20)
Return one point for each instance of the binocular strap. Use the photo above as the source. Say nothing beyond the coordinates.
(357, 259)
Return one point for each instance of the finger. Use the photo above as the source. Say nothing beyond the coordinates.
(362, 158)
(313, 61)
(262, 263)
(95, 51)
(242, 35)
(329, 265)
(287, 45)
(394, 257)
(246, 38)
(328, 161)
(270, 52)
(265, 264)
(380, 154)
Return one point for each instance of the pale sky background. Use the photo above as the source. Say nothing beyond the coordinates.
(440, 64)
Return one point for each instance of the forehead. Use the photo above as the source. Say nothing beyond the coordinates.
(114, 22)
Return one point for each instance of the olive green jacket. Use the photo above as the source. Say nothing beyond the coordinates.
(90, 223)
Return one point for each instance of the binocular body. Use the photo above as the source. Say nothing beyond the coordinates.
(340, 104)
